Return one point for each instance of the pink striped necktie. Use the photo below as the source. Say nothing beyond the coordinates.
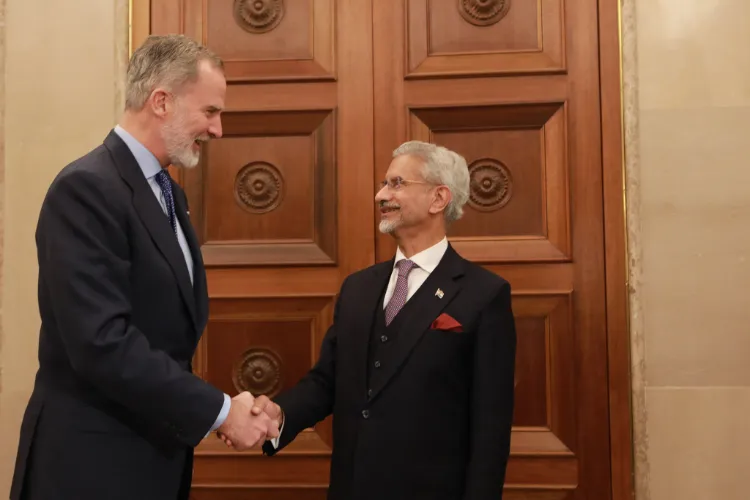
(400, 292)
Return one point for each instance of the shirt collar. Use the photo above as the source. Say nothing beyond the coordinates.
(146, 160)
(427, 259)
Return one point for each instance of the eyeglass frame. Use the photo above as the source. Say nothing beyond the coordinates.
(396, 183)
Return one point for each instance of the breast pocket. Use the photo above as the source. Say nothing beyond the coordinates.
(446, 347)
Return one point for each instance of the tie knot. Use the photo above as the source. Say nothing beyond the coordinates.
(404, 267)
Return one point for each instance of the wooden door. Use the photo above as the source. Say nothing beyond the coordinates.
(512, 85)
(283, 205)
(321, 92)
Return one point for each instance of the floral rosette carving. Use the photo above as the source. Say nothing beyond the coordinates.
(483, 12)
(258, 16)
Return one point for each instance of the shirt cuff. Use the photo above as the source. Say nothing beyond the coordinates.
(275, 441)
(222, 414)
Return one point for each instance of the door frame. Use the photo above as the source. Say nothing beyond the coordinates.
(615, 236)
(616, 249)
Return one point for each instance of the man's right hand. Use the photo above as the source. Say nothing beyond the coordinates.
(263, 405)
(243, 430)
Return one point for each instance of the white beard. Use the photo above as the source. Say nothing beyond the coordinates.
(179, 145)
(184, 158)
(388, 226)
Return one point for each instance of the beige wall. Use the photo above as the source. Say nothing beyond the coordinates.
(63, 67)
(688, 87)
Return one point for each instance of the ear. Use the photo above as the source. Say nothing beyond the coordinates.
(160, 102)
(440, 200)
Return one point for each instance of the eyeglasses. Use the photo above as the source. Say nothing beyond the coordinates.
(396, 183)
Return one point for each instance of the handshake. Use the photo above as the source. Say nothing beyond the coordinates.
(250, 422)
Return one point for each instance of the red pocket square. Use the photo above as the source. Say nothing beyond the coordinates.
(447, 323)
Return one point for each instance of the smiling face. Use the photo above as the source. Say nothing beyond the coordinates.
(407, 202)
(194, 116)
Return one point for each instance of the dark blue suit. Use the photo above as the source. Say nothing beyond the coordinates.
(115, 411)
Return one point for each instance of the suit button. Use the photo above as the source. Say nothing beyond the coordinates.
(369, 393)
(383, 338)
(377, 364)
(366, 413)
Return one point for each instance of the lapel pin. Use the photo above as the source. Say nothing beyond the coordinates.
(439, 293)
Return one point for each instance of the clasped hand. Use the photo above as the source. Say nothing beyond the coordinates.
(250, 422)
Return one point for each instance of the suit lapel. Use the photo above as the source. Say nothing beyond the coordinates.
(428, 306)
(199, 288)
(368, 300)
(153, 218)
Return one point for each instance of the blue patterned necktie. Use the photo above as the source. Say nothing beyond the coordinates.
(400, 292)
(165, 183)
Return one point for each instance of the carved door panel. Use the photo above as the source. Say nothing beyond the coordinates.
(513, 86)
(320, 93)
(283, 204)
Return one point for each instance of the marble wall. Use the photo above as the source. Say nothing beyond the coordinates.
(687, 87)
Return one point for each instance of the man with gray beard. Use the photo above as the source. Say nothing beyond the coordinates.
(116, 410)
(418, 365)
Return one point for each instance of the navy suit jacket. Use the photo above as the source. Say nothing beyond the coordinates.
(433, 420)
(115, 409)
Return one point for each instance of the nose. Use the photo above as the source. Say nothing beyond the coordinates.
(214, 128)
(383, 194)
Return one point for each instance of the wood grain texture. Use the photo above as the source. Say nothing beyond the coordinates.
(386, 77)
(279, 171)
(529, 40)
(618, 335)
(584, 147)
(300, 47)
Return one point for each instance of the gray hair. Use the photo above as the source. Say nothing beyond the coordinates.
(164, 60)
(442, 166)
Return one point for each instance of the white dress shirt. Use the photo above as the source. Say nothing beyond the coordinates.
(426, 261)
